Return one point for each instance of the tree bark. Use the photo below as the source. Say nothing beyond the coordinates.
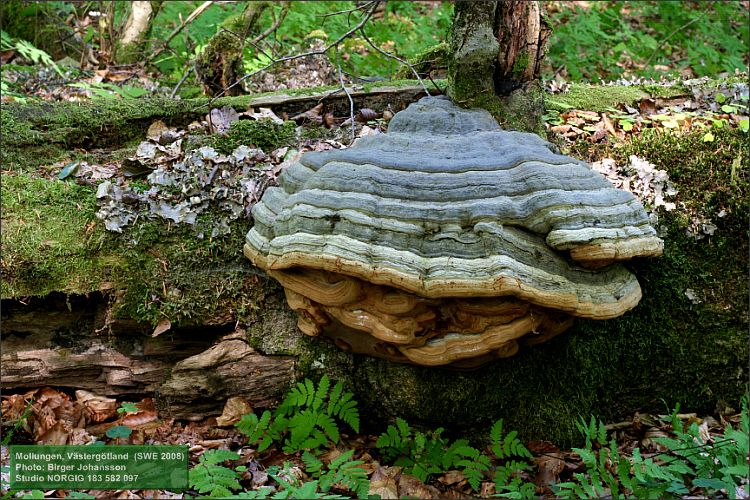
(220, 64)
(496, 50)
(137, 28)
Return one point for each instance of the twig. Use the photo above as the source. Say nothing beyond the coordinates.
(179, 84)
(322, 51)
(442, 91)
(710, 6)
(197, 12)
(348, 11)
(387, 54)
(348, 95)
(273, 27)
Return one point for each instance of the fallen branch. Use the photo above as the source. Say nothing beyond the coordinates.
(322, 51)
(348, 95)
(197, 12)
(273, 27)
(392, 56)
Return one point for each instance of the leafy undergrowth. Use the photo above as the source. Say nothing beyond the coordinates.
(593, 40)
(309, 447)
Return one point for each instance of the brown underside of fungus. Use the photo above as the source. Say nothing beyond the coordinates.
(448, 241)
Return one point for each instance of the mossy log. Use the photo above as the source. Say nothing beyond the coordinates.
(67, 284)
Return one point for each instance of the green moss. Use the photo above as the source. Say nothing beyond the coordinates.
(317, 132)
(520, 65)
(60, 127)
(38, 133)
(435, 57)
(594, 97)
(264, 134)
(53, 242)
(599, 98)
(49, 243)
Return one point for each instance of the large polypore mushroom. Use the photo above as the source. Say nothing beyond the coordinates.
(448, 240)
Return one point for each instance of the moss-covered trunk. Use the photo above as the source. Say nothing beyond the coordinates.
(496, 51)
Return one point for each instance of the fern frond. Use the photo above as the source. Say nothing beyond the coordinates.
(313, 465)
(496, 436)
(328, 426)
(209, 477)
(218, 456)
(474, 469)
(403, 428)
(255, 429)
(321, 393)
(334, 397)
(316, 440)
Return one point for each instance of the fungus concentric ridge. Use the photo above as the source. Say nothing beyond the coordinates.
(448, 241)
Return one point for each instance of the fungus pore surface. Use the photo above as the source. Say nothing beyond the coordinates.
(448, 241)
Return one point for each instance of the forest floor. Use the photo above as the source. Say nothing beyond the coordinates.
(55, 416)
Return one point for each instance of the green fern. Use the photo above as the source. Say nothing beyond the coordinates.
(210, 477)
(305, 420)
(507, 481)
(718, 468)
(594, 432)
(508, 446)
(423, 455)
(289, 487)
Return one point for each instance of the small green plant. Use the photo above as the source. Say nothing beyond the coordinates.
(424, 454)
(108, 90)
(305, 420)
(22, 422)
(28, 51)
(514, 458)
(290, 487)
(209, 476)
(127, 408)
(718, 468)
(341, 471)
(122, 431)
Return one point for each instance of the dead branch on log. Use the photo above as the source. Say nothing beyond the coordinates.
(273, 27)
(392, 56)
(197, 12)
(348, 95)
(366, 16)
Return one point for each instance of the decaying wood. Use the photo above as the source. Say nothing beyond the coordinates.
(200, 385)
(68, 342)
(522, 35)
(337, 102)
(99, 368)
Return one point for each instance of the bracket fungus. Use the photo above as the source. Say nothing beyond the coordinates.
(448, 241)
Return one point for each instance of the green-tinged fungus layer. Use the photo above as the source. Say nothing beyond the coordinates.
(447, 205)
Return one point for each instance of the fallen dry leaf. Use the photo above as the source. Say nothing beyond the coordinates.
(55, 435)
(313, 115)
(234, 408)
(146, 413)
(410, 486)
(162, 326)
(383, 482)
(221, 119)
(98, 408)
(451, 477)
(156, 129)
(647, 107)
(264, 114)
